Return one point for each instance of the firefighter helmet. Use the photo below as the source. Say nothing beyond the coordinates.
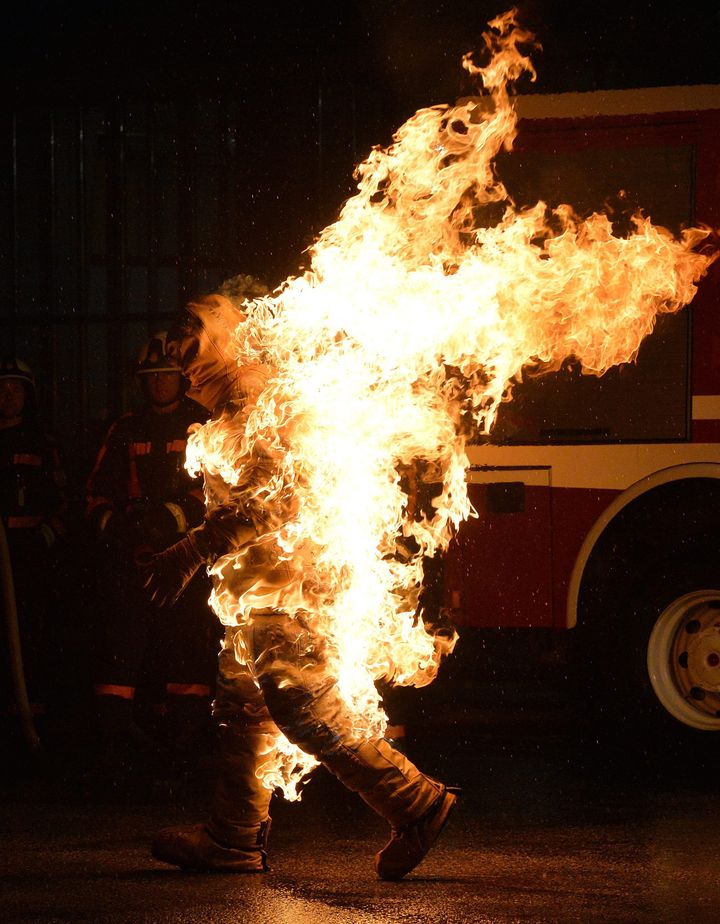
(153, 356)
(12, 368)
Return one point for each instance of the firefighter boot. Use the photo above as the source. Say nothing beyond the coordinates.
(416, 806)
(193, 847)
(408, 845)
(234, 840)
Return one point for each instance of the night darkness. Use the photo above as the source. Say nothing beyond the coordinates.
(405, 53)
(368, 65)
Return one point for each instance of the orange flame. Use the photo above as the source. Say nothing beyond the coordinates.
(401, 339)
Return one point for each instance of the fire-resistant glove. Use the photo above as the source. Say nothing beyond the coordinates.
(169, 572)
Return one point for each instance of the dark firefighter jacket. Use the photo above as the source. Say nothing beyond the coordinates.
(141, 465)
(32, 482)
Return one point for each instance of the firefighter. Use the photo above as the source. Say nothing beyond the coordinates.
(140, 500)
(273, 675)
(33, 508)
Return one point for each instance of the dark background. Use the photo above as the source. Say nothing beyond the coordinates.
(152, 150)
(401, 53)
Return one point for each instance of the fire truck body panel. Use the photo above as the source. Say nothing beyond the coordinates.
(564, 497)
(598, 500)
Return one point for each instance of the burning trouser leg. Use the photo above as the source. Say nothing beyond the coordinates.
(302, 697)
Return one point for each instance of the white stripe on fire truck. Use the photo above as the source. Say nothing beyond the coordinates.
(706, 407)
(617, 102)
(607, 467)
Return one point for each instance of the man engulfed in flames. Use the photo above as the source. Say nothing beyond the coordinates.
(399, 342)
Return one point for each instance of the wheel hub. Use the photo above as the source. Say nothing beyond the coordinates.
(684, 659)
(697, 645)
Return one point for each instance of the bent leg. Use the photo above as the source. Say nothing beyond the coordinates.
(302, 698)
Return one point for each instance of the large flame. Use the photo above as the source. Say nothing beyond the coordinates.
(398, 343)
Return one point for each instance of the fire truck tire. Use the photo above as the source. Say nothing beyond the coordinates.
(656, 664)
(683, 658)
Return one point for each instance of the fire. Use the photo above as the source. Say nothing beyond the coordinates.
(399, 342)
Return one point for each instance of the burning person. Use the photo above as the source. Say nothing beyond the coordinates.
(401, 340)
(275, 675)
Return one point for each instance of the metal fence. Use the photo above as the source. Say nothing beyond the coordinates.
(117, 213)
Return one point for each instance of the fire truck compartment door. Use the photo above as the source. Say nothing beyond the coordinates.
(498, 569)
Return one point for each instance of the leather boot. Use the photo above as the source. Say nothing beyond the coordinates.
(235, 837)
(407, 846)
(416, 806)
(193, 847)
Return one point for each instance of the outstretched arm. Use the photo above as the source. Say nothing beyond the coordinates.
(170, 571)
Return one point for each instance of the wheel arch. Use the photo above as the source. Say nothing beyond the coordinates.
(644, 489)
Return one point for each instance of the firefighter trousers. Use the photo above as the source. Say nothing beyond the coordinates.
(274, 679)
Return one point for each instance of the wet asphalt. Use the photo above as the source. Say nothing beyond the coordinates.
(557, 823)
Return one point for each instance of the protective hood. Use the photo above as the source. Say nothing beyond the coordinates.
(201, 343)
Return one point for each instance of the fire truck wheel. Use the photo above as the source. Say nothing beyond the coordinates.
(648, 653)
(683, 658)
(671, 649)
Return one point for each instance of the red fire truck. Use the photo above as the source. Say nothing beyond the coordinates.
(598, 499)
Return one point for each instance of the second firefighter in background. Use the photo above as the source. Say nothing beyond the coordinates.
(141, 500)
(33, 510)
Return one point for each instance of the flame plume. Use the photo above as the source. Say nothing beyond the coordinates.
(401, 339)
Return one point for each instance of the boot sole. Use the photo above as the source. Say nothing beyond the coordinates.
(197, 853)
(188, 866)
